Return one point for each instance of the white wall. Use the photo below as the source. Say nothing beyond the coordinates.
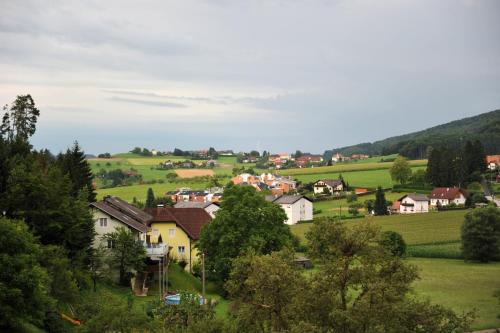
(418, 206)
(112, 225)
(301, 210)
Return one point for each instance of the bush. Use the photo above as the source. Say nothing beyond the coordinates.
(183, 263)
(481, 235)
(393, 242)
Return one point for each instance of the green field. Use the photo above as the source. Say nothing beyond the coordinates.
(139, 191)
(462, 287)
(346, 167)
(369, 178)
(434, 227)
(363, 173)
(333, 207)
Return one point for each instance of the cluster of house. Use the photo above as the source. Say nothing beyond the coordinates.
(187, 164)
(174, 230)
(419, 203)
(277, 184)
(186, 194)
(337, 157)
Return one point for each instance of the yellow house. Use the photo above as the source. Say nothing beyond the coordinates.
(180, 228)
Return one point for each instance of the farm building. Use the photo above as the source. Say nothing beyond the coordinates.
(413, 203)
(443, 196)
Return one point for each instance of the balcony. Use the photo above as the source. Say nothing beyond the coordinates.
(155, 249)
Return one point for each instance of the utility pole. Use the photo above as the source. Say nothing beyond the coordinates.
(203, 276)
(159, 276)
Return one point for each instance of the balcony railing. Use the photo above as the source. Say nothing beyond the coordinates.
(155, 249)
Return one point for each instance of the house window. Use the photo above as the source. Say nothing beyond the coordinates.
(171, 232)
(181, 249)
(103, 222)
(111, 244)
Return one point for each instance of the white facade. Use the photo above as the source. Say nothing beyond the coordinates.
(212, 209)
(411, 206)
(319, 187)
(300, 210)
(459, 200)
(105, 224)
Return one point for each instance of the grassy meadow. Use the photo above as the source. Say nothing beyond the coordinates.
(461, 286)
(417, 229)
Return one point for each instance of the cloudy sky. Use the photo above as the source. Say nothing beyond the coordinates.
(275, 75)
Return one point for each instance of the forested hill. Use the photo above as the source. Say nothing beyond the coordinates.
(484, 127)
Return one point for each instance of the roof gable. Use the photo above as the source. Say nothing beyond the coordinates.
(124, 212)
(449, 193)
(191, 220)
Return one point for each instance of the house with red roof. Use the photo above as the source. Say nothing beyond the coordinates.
(493, 162)
(443, 196)
(180, 228)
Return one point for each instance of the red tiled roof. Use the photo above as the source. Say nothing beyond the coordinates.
(191, 220)
(449, 193)
(493, 159)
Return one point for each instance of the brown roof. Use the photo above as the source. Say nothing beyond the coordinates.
(124, 212)
(449, 193)
(191, 220)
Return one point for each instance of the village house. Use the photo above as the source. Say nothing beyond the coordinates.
(304, 160)
(493, 162)
(210, 207)
(443, 196)
(111, 213)
(245, 178)
(330, 186)
(413, 203)
(180, 228)
(337, 158)
(359, 156)
(297, 207)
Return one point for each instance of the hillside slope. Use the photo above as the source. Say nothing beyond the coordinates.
(484, 127)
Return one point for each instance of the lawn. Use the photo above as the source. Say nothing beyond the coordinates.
(333, 207)
(461, 286)
(427, 228)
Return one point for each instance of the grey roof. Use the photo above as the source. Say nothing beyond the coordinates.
(415, 197)
(285, 199)
(331, 182)
(193, 204)
(124, 212)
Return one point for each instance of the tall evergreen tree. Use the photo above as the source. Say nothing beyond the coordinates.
(380, 206)
(74, 164)
(150, 198)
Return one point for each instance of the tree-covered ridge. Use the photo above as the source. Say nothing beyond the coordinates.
(484, 127)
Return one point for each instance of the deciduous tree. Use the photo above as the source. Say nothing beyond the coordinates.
(244, 222)
(481, 234)
(400, 170)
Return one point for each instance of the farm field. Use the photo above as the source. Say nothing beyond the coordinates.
(139, 191)
(346, 167)
(461, 286)
(367, 178)
(417, 229)
(191, 173)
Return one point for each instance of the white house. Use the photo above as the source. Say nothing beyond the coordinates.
(413, 203)
(337, 157)
(443, 196)
(296, 207)
(113, 212)
(210, 207)
(332, 185)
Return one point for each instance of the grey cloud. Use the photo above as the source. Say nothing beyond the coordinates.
(147, 102)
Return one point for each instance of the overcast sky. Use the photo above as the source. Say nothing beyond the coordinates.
(274, 75)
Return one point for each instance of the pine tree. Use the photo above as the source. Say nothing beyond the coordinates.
(74, 164)
(150, 199)
(380, 206)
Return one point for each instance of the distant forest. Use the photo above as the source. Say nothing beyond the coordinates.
(484, 127)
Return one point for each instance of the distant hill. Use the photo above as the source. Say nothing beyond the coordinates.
(484, 127)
